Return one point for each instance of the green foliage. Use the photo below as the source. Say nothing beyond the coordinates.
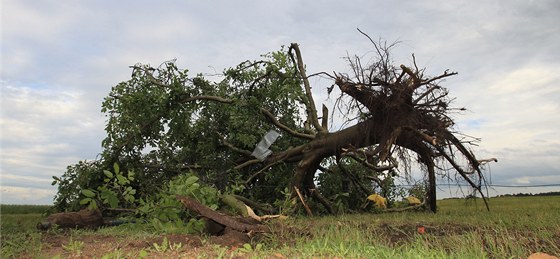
(418, 190)
(166, 246)
(114, 192)
(81, 176)
(346, 195)
(157, 128)
(166, 214)
(162, 123)
(74, 246)
(285, 205)
(389, 190)
(248, 248)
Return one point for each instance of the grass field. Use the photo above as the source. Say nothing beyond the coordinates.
(514, 228)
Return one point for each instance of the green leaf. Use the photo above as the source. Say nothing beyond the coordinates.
(116, 167)
(88, 193)
(92, 205)
(142, 253)
(108, 174)
(192, 179)
(112, 201)
(85, 201)
(121, 179)
(131, 175)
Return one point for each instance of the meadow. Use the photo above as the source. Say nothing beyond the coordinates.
(514, 228)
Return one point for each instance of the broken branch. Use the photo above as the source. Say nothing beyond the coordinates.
(220, 218)
(307, 209)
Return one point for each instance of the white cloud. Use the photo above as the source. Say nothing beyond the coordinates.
(21, 195)
(43, 131)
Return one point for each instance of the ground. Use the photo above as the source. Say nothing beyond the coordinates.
(231, 245)
(516, 227)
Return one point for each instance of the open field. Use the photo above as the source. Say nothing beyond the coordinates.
(515, 228)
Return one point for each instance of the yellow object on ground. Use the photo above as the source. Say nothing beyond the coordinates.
(379, 201)
(413, 200)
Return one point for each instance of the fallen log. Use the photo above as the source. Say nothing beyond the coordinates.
(81, 219)
(220, 218)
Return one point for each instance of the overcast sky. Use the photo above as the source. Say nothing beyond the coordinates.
(60, 58)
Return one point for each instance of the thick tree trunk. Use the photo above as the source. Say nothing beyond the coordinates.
(431, 192)
(327, 145)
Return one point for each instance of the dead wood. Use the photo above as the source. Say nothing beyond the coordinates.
(307, 209)
(220, 218)
(82, 219)
(266, 208)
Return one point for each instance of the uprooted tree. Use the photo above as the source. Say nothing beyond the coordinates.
(163, 123)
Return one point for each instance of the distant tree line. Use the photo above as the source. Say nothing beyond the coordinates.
(530, 194)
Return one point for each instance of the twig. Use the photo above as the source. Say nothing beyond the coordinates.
(234, 148)
(207, 97)
(284, 127)
(307, 209)
(247, 163)
(252, 178)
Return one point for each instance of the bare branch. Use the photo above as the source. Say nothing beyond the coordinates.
(364, 162)
(303, 202)
(325, 119)
(207, 97)
(355, 181)
(430, 139)
(234, 148)
(317, 196)
(252, 177)
(415, 80)
(430, 90)
(284, 127)
(311, 110)
(247, 163)
(488, 160)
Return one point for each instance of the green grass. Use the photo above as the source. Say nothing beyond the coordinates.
(514, 228)
(18, 234)
(23, 209)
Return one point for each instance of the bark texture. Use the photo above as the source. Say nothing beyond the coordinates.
(220, 218)
(82, 219)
